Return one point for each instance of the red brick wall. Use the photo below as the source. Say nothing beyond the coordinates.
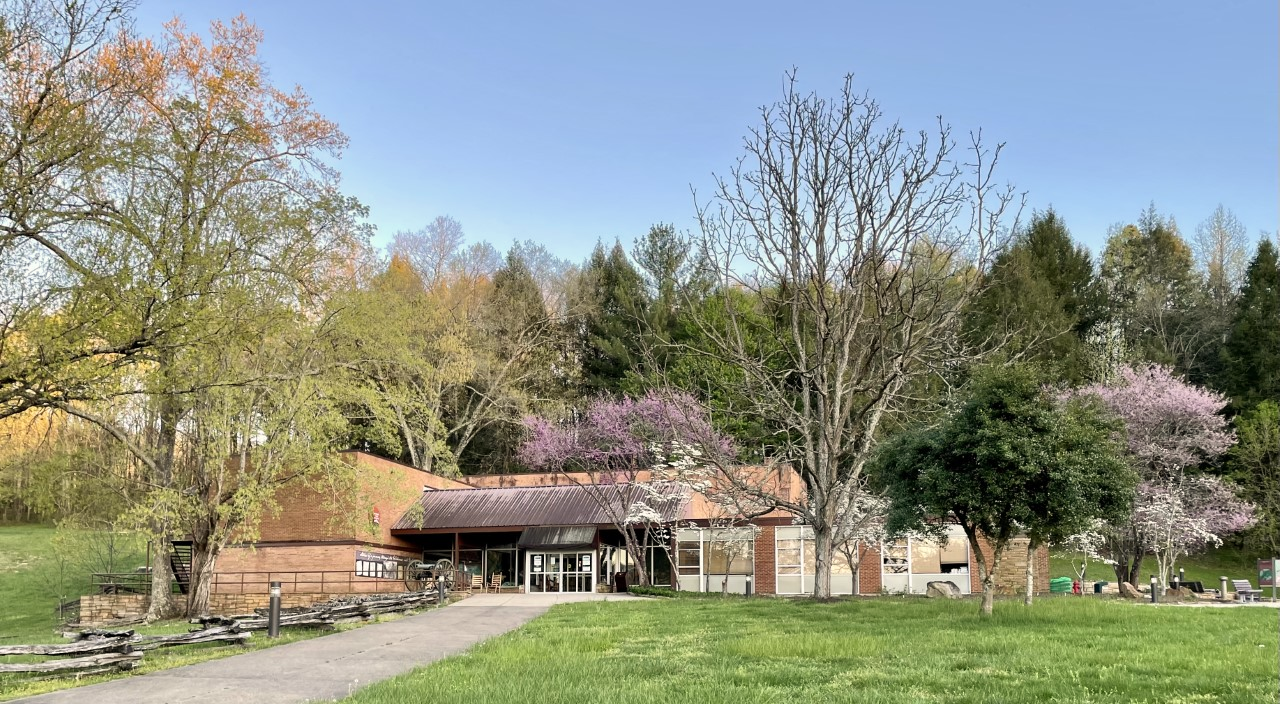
(766, 572)
(306, 514)
(869, 571)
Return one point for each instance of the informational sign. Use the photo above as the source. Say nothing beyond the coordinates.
(379, 565)
(1267, 573)
(584, 563)
(537, 563)
(377, 516)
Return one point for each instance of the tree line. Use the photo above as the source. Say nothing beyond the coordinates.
(193, 313)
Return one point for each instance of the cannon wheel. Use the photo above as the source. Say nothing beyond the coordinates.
(417, 576)
(444, 568)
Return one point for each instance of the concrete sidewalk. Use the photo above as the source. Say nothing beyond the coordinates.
(329, 667)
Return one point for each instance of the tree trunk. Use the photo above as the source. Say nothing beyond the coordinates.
(988, 594)
(166, 446)
(1031, 573)
(823, 549)
(161, 605)
(204, 558)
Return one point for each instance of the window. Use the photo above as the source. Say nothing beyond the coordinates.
(689, 552)
(729, 551)
(895, 556)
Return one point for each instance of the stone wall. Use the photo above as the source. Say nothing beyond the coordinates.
(101, 608)
(229, 604)
(1011, 575)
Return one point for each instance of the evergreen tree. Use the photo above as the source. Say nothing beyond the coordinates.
(609, 318)
(1043, 298)
(1251, 355)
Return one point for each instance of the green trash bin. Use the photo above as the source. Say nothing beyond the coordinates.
(1097, 587)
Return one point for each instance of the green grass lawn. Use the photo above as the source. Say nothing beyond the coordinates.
(35, 571)
(892, 650)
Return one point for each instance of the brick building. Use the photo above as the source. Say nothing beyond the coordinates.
(545, 532)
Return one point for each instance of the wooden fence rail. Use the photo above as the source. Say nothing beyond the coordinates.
(104, 651)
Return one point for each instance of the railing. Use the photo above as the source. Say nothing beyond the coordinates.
(122, 582)
(305, 582)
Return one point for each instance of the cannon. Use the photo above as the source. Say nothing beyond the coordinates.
(421, 576)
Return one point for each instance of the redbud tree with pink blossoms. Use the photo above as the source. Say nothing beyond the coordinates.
(633, 457)
(1171, 428)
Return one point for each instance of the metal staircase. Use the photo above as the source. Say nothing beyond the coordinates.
(180, 562)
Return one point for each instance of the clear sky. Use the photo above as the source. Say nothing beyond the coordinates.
(571, 122)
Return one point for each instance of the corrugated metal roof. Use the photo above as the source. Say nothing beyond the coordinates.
(536, 506)
(557, 537)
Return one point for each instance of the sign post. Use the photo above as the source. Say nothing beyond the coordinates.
(1267, 575)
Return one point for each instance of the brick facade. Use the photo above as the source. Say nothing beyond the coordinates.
(766, 572)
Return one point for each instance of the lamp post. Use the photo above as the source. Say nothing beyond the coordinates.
(1155, 585)
(273, 615)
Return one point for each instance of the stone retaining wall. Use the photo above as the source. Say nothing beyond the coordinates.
(101, 608)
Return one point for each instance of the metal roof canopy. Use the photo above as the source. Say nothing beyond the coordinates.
(558, 538)
(522, 507)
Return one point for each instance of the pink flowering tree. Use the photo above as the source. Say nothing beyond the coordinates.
(636, 458)
(1170, 426)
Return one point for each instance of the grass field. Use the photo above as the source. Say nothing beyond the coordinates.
(32, 576)
(892, 650)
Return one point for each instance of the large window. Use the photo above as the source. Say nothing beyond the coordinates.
(704, 555)
(796, 559)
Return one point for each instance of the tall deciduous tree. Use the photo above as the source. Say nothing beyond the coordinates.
(1012, 459)
(842, 253)
(1221, 247)
(1153, 298)
(217, 224)
(1251, 355)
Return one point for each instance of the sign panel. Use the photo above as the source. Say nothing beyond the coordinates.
(537, 563)
(379, 565)
(1267, 573)
(584, 563)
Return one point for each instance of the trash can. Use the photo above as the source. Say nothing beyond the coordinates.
(1060, 585)
(620, 582)
(1097, 587)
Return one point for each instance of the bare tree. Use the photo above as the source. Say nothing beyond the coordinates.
(1221, 247)
(843, 252)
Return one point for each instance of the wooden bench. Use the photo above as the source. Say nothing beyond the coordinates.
(1245, 590)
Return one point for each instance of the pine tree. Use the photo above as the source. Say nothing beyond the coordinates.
(610, 317)
(1251, 355)
(1043, 296)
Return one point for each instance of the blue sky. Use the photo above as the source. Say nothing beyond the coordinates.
(571, 122)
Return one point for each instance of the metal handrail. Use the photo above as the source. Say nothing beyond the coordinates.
(122, 582)
(305, 582)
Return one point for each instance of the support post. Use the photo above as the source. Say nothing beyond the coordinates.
(1155, 586)
(273, 614)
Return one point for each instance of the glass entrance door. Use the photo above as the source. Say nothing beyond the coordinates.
(560, 572)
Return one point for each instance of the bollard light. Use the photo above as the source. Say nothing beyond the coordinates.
(273, 614)
(1154, 586)
(440, 590)
(748, 589)
(1222, 587)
